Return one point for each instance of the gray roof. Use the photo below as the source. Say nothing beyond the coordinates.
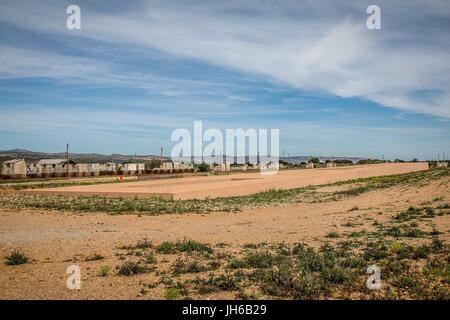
(13, 161)
(52, 161)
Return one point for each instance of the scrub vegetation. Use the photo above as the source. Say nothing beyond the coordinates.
(298, 271)
(157, 206)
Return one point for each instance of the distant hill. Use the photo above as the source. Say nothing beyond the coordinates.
(299, 159)
(291, 159)
(15, 151)
(79, 157)
(97, 157)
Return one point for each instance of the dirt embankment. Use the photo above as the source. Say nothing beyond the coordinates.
(55, 240)
(236, 184)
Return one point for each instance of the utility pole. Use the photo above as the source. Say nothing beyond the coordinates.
(67, 158)
(161, 152)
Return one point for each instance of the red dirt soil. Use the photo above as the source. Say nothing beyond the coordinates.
(234, 184)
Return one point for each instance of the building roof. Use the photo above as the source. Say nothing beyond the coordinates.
(54, 161)
(13, 161)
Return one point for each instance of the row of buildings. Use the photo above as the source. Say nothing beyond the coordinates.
(175, 167)
(19, 168)
(442, 164)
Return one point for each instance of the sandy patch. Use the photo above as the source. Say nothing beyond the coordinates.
(55, 240)
(236, 184)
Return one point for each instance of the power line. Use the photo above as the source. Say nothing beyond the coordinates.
(67, 158)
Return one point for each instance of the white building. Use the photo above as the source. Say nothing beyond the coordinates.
(14, 169)
(109, 167)
(88, 169)
(442, 164)
(132, 168)
(57, 167)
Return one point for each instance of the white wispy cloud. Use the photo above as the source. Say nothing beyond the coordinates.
(26, 63)
(322, 47)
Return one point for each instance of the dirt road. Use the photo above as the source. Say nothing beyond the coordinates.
(236, 184)
(55, 240)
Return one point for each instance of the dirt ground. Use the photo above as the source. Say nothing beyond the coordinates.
(235, 184)
(55, 240)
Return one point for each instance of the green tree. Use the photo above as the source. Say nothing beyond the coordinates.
(314, 160)
(154, 163)
(204, 167)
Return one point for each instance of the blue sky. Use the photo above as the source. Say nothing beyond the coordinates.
(137, 71)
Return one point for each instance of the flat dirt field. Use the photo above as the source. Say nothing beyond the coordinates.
(307, 243)
(235, 184)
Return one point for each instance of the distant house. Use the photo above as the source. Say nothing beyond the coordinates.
(221, 167)
(133, 168)
(238, 167)
(108, 168)
(182, 167)
(57, 168)
(309, 165)
(14, 169)
(88, 169)
(442, 164)
(33, 169)
(262, 166)
(331, 164)
(165, 167)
